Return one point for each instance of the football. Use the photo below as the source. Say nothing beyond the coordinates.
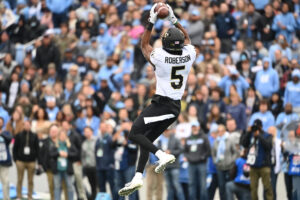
(162, 9)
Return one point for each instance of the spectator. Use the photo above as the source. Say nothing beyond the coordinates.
(15, 124)
(264, 115)
(88, 160)
(196, 27)
(7, 66)
(84, 9)
(171, 145)
(267, 80)
(59, 10)
(286, 117)
(224, 154)
(281, 47)
(292, 92)
(154, 180)
(105, 39)
(226, 26)
(125, 155)
(76, 143)
(5, 160)
(240, 184)
(40, 123)
(196, 151)
(276, 104)
(105, 158)
(214, 117)
(275, 159)
(259, 144)
(237, 111)
(211, 167)
(284, 23)
(48, 161)
(265, 25)
(234, 79)
(96, 52)
(25, 154)
(235, 134)
(248, 27)
(46, 54)
(215, 99)
(62, 153)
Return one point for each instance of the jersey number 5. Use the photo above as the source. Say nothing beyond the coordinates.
(175, 76)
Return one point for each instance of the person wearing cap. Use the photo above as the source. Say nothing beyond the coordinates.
(196, 152)
(224, 153)
(267, 80)
(259, 145)
(195, 27)
(96, 52)
(235, 79)
(105, 39)
(47, 53)
(292, 91)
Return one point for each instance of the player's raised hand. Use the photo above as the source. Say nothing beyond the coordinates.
(153, 15)
(172, 18)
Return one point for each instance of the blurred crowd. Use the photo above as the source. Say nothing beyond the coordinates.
(73, 79)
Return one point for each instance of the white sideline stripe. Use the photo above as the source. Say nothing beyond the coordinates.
(149, 120)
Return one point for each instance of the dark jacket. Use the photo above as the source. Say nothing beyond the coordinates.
(23, 139)
(46, 55)
(5, 157)
(224, 23)
(54, 154)
(200, 152)
(174, 147)
(104, 152)
(263, 144)
(266, 22)
(76, 141)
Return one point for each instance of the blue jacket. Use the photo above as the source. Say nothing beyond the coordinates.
(292, 94)
(211, 167)
(287, 20)
(104, 74)
(94, 124)
(241, 85)
(238, 113)
(104, 153)
(4, 114)
(106, 41)
(240, 177)
(287, 52)
(58, 6)
(260, 4)
(267, 81)
(286, 118)
(267, 119)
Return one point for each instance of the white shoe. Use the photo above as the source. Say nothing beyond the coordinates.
(164, 161)
(131, 187)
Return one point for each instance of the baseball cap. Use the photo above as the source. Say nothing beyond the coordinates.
(296, 73)
(258, 123)
(195, 12)
(213, 128)
(195, 123)
(233, 71)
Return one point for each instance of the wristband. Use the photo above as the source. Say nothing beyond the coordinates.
(149, 26)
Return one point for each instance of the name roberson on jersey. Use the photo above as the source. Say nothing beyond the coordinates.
(172, 71)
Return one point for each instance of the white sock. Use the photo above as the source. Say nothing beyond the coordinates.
(138, 175)
(159, 154)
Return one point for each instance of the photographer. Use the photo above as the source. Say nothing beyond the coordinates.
(259, 144)
(240, 184)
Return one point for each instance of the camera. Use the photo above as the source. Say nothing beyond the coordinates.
(257, 125)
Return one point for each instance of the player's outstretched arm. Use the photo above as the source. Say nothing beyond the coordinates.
(146, 47)
(174, 21)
